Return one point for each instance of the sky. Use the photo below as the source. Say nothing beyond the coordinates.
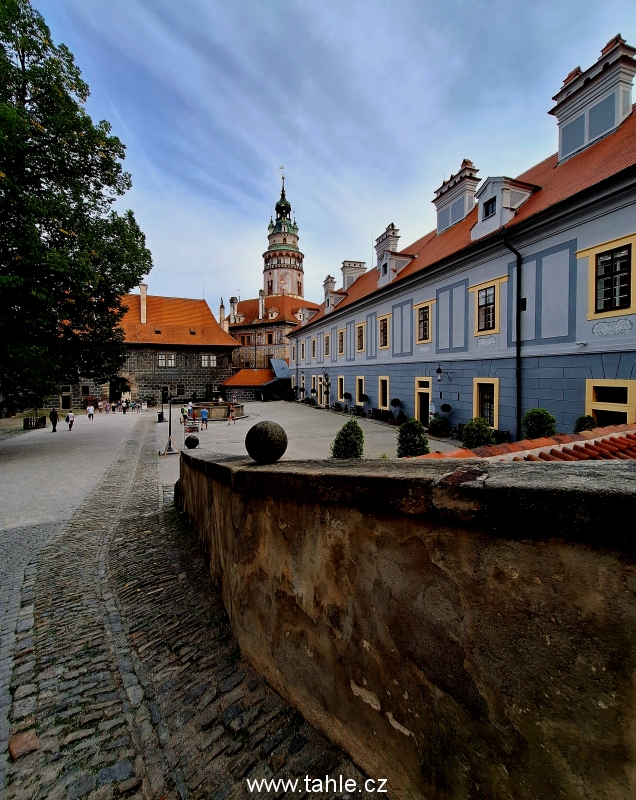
(367, 104)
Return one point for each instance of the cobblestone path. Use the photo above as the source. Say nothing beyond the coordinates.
(124, 677)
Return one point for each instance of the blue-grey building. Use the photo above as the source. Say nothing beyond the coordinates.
(525, 294)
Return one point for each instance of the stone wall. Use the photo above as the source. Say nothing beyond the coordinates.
(464, 634)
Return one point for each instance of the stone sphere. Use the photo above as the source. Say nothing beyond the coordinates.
(266, 442)
(191, 441)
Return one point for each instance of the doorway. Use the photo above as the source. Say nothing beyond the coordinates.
(422, 399)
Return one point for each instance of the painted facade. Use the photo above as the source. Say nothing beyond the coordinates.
(437, 321)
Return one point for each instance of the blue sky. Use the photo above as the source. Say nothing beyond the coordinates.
(367, 104)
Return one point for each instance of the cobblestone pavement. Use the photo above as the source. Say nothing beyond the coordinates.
(125, 680)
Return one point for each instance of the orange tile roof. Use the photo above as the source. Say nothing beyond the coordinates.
(174, 318)
(557, 182)
(250, 377)
(286, 306)
(612, 443)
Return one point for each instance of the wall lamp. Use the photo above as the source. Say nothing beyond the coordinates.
(440, 374)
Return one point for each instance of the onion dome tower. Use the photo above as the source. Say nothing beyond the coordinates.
(283, 261)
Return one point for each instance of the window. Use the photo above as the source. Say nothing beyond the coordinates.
(300, 288)
(486, 400)
(384, 332)
(359, 390)
(302, 381)
(284, 240)
(341, 343)
(313, 383)
(383, 392)
(302, 351)
(293, 353)
(313, 348)
(610, 402)
(486, 309)
(385, 268)
(490, 208)
(208, 360)
(180, 390)
(270, 338)
(360, 338)
(86, 390)
(613, 279)
(424, 323)
(161, 360)
(341, 389)
(270, 287)
(327, 344)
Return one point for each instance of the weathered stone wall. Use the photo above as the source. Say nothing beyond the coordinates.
(463, 635)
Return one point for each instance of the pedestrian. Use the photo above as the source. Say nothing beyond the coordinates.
(132, 406)
(204, 418)
(100, 406)
(70, 419)
(184, 414)
(124, 406)
(190, 408)
(138, 406)
(230, 415)
(90, 411)
(54, 416)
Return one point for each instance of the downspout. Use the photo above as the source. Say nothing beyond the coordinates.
(518, 375)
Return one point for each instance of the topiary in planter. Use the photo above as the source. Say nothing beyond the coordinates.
(411, 439)
(401, 417)
(584, 423)
(349, 441)
(477, 433)
(439, 426)
(537, 423)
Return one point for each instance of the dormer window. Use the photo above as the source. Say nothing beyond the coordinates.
(490, 208)
(385, 268)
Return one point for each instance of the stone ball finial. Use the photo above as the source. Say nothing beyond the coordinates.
(191, 441)
(266, 442)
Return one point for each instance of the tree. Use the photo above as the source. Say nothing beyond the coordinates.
(411, 439)
(349, 441)
(66, 258)
(538, 422)
(477, 433)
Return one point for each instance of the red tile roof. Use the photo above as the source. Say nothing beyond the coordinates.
(250, 377)
(557, 182)
(612, 443)
(174, 318)
(286, 309)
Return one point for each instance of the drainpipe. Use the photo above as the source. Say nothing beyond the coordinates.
(504, 235)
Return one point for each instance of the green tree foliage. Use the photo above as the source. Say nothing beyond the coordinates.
(585, 422)
(538, 422)
(477, 433)
(411, 439)
(349, 441)
(66, 258)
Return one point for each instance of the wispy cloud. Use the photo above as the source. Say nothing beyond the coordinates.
(367, 103)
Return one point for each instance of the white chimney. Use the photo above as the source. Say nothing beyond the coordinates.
(143, 290)
(455, 198)
(593, 103)
(351, 271)
(261, 304)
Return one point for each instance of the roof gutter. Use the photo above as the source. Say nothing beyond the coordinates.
(518, 370)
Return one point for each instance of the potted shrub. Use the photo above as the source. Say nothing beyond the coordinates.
(477, 433)
(537, 423)
(439, 426)
(347, 399)
(364, 399)
(584, 423)
(349, 441)
(411, 439)
(395, 403)
(401, 418)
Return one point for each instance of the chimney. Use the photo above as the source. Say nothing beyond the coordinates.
(143, 290)
(455, 198)
(221, 312)
(351, 271)
(261, 304)
(594, 102)
(233, 305)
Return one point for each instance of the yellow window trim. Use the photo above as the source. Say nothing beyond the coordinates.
(363, 325)
(388, 392)
(386, 346)
(590, 253)
(476, 383)
(424, 303)
(629, 407)
(416, 308)
(359, 378)
(314, 347)
(496, 282)
(340, 394)
(342, 331)
(326, 338)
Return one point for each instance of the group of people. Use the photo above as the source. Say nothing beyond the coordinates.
(189, 412)
(120, 405)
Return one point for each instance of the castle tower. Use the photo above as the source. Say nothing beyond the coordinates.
(283, 261)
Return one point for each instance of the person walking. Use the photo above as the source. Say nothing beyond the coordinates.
(184, 414)
(100, 406)
(90, 411)
(204, 418)
(107, 407)
(54, 417)
(70, 419)
(230, 415)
